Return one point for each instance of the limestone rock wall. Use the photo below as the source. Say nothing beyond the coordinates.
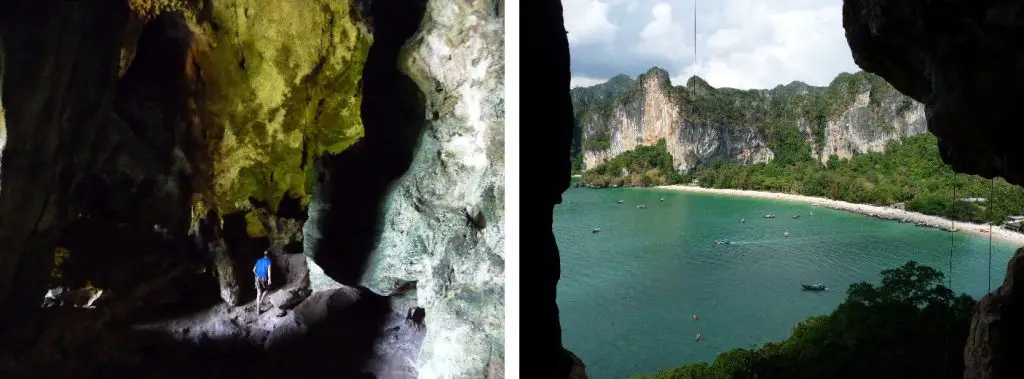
(860, 129)
(279, 86)
(657, 114)
(701, 124)
(444, 220)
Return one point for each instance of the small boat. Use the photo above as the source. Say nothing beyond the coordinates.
(641, 206)
(723, 242)
(743, 221)
(662, 199)
(796, 217)
(596, 230)
(785, 235)
(769, 216)
(620, 201)
(699, 336)
(813, 287)
(695, 318)
(985, 230)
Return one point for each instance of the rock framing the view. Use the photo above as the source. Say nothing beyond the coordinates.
(961, 59)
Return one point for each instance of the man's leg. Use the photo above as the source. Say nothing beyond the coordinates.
(259, 295)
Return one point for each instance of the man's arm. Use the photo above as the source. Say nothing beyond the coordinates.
(269, 275)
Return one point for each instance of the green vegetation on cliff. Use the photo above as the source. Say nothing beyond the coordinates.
(642, 167)
(773, 114)
(909, 171)
(910, 326)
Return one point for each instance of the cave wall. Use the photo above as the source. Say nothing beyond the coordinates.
(547, 111)
(442, 222)
(54, 135)
(962, 60)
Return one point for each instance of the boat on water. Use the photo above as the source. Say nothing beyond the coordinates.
(785, 235)
(641, 206)
(662, 199)
(743, 221)
(769, 216)
(620, 201)
(813, 287)
(723, 242)
(596, 230)
(796, 217)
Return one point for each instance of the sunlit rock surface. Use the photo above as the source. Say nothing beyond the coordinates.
(444, 220)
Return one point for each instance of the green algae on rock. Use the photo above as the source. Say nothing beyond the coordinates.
(281, 85)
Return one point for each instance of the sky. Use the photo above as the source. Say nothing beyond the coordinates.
(740, 43)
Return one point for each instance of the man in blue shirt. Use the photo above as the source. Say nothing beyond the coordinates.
(262, 271)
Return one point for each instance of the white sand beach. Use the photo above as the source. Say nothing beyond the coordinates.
(998, 233)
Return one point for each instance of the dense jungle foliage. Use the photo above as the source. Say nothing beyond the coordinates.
(909, 326)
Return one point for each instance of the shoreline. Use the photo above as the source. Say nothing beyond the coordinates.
(936, 222)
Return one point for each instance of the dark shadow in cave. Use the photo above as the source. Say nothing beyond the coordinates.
(323, 341)
(338, 341)
(356, 181)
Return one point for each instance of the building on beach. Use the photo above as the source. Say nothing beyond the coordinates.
(973, 200)
(1013, 223)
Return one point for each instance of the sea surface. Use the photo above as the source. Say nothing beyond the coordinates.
(628, 292)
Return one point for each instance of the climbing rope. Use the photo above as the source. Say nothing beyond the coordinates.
(952, 218)
(991, 186)
(952, 229)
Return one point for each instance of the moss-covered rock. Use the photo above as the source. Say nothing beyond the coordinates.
(281, 84)
(253, 225)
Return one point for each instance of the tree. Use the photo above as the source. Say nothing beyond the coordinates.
(908, 326)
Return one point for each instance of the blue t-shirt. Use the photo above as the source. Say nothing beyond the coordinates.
(262, 267)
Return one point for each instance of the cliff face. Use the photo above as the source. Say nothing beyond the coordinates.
(857, 113)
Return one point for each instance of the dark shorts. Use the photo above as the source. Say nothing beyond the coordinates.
(261, 284)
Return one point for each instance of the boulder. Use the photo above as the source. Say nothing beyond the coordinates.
(288, 298)
(318, 279)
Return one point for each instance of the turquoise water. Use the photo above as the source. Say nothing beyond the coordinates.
(627, 293)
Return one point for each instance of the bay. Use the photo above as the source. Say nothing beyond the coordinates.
(628, 292)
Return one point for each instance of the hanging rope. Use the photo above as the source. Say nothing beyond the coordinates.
(991, 186)
(952, 228)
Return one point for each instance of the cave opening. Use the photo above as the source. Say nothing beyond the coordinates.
(132, 234)
(357, 181)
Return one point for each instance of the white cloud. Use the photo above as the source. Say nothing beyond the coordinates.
(740, 43)
(582, 81)
(662, 36)
(587, 22)
(763, 47)
(632, 5)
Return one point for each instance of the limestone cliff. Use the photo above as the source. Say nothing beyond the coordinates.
(856, 113)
